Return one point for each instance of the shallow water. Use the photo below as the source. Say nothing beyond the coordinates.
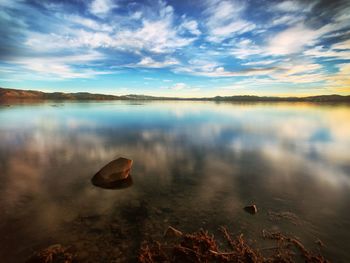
(196, 165)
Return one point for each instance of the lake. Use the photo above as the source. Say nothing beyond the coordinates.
(196, 165)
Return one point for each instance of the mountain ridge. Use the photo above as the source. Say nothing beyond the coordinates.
(16, 94)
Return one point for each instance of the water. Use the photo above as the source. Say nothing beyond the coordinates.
(196, 165)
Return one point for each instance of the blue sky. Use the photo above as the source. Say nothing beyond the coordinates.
(176, 48)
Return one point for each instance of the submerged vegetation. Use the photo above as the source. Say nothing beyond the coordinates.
(202, 247)
(54, 254)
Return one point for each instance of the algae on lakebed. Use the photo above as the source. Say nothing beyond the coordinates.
(201, 247)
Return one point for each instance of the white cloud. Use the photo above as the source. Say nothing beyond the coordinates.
(291, 40)
(158, 29)
(345, 45)
(179, 86)
(10, 3)
(66, 59)
(89, 23)
(219, 71)
(59, 71)
(340, 22)
(73, 39)
(203, 65)
(288, 19)
(101, 7)
(301, 67)
(338, 34)
(261, 62)
(337, 51)
(235, 27)
(224, 20)
(158, 35)
(222, 11)
(137, 15)
(296, 39)
(148, 62)
(300, 79)
(154, 36)
(212, 68)
(344, 15)
(183, 87)
(61, 67)
(191, 26)
(245, 48)
(289, 6)
(299, 72)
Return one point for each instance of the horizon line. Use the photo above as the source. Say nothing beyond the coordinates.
(177, 97)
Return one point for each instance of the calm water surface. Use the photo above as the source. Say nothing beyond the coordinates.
(196, 164)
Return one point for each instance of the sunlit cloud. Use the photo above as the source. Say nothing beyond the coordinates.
(291, 41)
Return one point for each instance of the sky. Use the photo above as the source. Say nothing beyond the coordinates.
(177, 48)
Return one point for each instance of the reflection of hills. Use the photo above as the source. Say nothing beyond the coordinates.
(15, 94)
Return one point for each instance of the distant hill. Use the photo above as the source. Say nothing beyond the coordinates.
(319, 98)
(15, 94)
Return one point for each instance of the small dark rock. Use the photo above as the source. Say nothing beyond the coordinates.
(251, 209)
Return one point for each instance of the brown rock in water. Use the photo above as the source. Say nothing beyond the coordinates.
(251, 209)
(114, 175)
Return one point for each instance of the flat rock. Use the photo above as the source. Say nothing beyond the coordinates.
(114, 175)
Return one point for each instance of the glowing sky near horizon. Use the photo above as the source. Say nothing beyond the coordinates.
(177, 48)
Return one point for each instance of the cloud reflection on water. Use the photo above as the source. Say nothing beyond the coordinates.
(201, 159)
